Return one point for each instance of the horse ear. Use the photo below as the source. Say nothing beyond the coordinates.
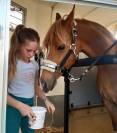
(58, 16)
(69, 20)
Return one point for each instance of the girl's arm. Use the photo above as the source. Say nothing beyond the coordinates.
(24, 109)
(49, 105)
(41, 94)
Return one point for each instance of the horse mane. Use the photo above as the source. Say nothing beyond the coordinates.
(55, 30)
(96, 26)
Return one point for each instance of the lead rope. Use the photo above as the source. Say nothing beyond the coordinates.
(52, 120)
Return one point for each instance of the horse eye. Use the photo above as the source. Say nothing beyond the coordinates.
(62, 47)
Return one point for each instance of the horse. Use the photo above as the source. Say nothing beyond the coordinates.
(92, 39)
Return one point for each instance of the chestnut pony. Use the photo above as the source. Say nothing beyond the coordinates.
(93, 39)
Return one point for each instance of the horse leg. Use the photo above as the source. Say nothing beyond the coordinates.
(112, 108)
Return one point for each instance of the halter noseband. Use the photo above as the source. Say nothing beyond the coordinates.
(52, 66)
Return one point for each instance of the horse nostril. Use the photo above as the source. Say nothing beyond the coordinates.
(44, 85)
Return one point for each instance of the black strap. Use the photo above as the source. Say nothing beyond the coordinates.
(94, 63)
(65, 58)
(106, 51)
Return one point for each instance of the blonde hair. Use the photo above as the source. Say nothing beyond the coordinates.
(19, 37)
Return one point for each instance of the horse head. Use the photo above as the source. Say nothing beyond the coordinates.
(58, 42)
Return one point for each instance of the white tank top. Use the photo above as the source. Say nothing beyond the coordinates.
(22, 85)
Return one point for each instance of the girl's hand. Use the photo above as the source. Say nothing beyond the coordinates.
(26, 110)
(50, 106)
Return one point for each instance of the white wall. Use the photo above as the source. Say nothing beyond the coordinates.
(38, 16)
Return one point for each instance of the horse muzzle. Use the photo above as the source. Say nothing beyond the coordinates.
(48, 82)
(44, 86)
(48, 74)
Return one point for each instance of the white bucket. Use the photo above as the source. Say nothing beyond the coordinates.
(40, 117)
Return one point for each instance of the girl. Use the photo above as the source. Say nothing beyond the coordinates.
(21, 80)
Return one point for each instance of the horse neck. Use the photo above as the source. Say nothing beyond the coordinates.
(93, 42)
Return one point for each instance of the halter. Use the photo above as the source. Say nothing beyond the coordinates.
(52, 66)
